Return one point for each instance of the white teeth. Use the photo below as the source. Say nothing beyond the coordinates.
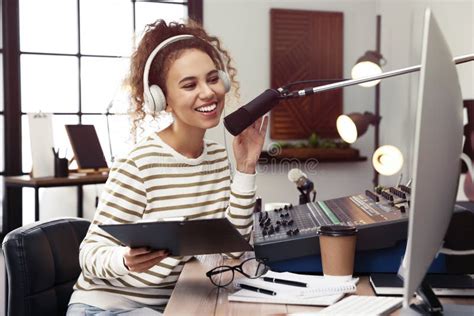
(207, 108)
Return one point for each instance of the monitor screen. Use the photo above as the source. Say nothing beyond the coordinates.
(437, 151)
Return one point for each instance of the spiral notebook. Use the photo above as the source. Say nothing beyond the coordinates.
(319, 291)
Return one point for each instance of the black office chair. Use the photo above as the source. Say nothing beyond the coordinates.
(42, 262)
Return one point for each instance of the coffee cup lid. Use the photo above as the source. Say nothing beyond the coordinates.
(337, 230)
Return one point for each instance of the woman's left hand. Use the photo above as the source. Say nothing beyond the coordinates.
(248, 145)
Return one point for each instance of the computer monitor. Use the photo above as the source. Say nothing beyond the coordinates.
(437, 151)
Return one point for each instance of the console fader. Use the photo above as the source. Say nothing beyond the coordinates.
(291, 231)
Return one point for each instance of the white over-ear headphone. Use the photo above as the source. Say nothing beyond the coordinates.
(153, 95)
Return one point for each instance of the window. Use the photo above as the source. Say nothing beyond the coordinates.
(73, 63)
(72, 57)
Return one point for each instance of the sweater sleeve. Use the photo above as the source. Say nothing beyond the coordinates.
(242, 202)
(123, 200)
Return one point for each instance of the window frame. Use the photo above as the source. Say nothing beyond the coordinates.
(12, 114)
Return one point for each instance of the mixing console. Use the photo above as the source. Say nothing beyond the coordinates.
(291, 231)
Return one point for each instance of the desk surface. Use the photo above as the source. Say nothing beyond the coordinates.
(71, 180)
(13, 216)
(196, 295)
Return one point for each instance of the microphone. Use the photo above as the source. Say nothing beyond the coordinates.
(239, 120)
(304, 185)
(300, 179)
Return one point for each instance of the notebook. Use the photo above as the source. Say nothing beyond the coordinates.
(319, 292)
(442, 284)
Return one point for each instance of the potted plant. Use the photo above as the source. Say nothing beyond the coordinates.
(316, 147)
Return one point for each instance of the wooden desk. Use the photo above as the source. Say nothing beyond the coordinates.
(48, 182)
(194, 294)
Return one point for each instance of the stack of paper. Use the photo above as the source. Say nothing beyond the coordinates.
(319, 291)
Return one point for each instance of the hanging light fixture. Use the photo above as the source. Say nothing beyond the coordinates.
(353, 125)
(369, 64)
(387, 160)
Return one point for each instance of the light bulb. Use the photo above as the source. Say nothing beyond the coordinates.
(366, 69)
(346, 129)
(387, 160)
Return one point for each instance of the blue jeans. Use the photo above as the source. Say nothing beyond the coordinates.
(78, 309)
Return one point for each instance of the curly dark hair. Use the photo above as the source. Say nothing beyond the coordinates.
(154, 34)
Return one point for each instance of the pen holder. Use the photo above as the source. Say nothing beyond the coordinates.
(61, 167)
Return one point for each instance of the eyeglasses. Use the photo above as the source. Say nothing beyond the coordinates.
(224, 275)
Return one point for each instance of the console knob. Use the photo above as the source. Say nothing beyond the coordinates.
(372, 195)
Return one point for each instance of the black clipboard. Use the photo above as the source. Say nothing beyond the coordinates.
(182, 238)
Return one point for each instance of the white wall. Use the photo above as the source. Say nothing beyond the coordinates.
(244, 29)
(243, 26)
(401, 45)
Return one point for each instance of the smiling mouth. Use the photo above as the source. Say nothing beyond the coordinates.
(207, 108)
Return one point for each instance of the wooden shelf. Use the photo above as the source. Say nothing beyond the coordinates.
(319, 154)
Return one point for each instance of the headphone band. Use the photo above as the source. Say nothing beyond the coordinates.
(165, 43)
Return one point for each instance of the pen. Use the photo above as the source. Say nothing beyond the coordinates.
(287, 282)
(256, 289)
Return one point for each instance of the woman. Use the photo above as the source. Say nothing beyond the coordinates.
(172, 173)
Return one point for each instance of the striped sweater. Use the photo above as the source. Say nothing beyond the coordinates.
(156, 182)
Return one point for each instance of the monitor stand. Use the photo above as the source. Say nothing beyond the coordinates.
(430, 305)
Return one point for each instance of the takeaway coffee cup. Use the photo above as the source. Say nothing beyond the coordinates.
(337, 244)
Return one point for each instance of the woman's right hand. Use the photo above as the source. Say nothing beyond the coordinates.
(142, 259)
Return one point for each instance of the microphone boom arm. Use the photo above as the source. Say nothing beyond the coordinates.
(346, 83)
(246, 115)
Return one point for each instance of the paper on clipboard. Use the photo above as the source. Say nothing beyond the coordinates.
(41, 142)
